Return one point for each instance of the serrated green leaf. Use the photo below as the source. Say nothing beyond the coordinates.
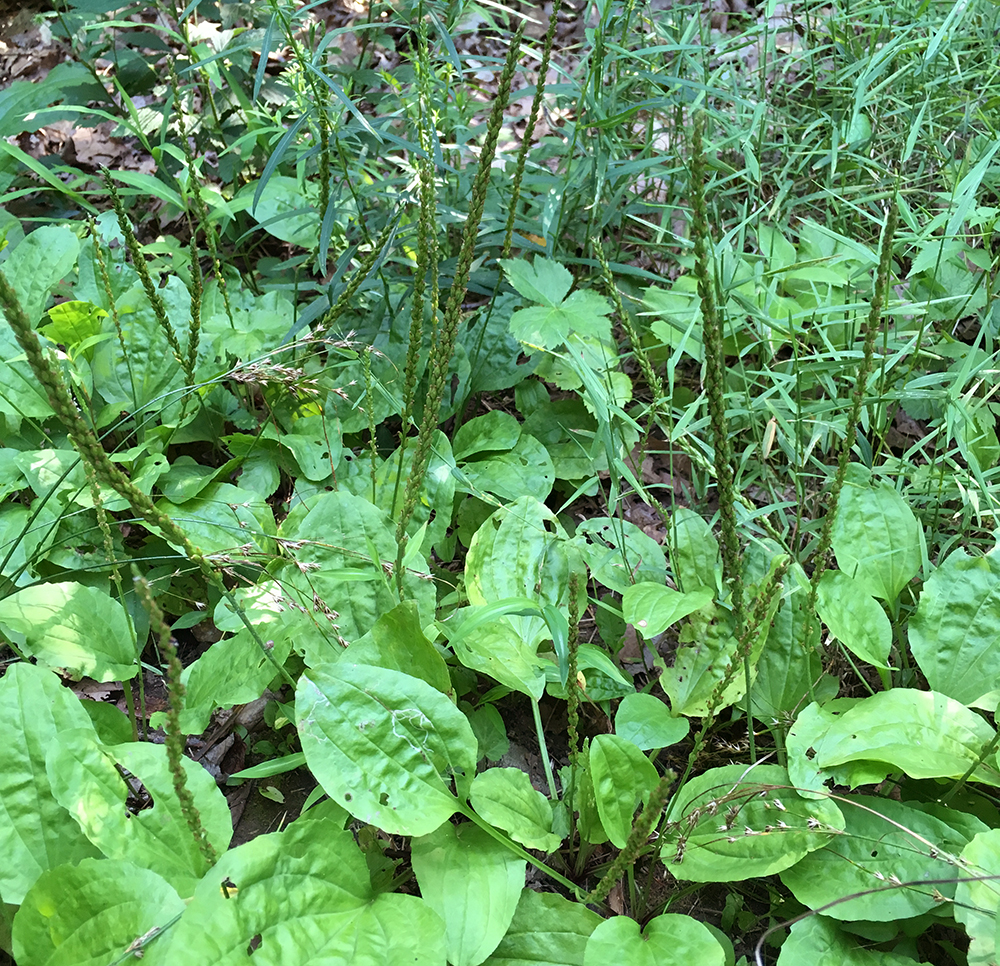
(505, 798)
(544, 281)
(384, 745)
(73, 322)
(473, 883)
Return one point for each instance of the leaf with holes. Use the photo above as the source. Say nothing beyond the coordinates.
(384, 745)
(302, 895)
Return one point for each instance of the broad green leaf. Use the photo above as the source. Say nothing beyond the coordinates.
(40, 260)
(58, 472)
(494, 354)
(71, 626)
(876, 536)
(667, 940)
(497, 649)
(707, 649)
(547, 930)
(737, 823)
(232, 671)
(384, 745)
(150, 370)
(282, 209)
(87, 783)
(225, 519)
(473, 883)
(521, 551)
(337, 532)
(525, 470)
(585, 802)
(490, 731)
(976, 897)
(506, 798)
(89, 914)
(854, 617)
(435, 497)
(36, 832)
(786, 668)
(622, 776)
(316, 443)
(953, 634)
(804, 743)
(185, 479)
(71, 323)
(694, 551)
(651, 608)
(883, 839)
(21, 395)
(647, 723)
(397, 641)
(922, 733)
(305, 892)
(819, 941)
(544, 280)
(619, 554)
(494, 432)
(22, 101)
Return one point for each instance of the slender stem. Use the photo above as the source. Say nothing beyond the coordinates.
(521, 853)
(544, 749)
